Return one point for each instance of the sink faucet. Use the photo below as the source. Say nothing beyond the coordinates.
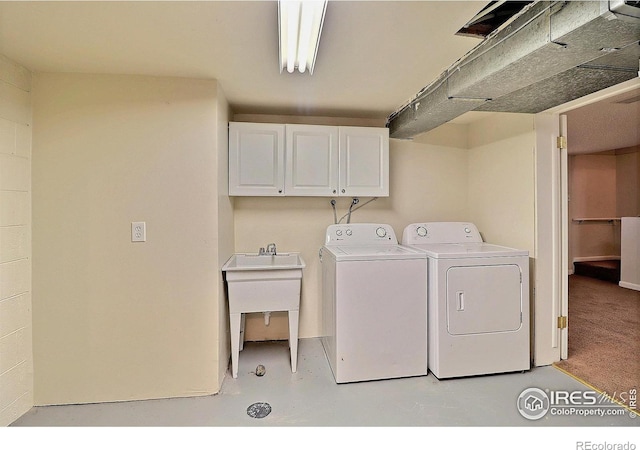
(271, 250)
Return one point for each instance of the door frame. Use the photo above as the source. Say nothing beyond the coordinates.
(551, 236)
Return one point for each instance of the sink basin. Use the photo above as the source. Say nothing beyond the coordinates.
(252, 261)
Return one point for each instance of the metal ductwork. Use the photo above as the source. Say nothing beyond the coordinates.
(548, 54)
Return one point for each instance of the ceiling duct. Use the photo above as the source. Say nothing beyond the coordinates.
(546, 55)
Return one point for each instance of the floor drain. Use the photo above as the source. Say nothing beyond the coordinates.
(259, 410)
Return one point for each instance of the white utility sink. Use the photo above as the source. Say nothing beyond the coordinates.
(253, 261)
(263, 283)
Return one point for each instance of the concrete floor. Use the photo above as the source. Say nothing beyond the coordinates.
(311, 398)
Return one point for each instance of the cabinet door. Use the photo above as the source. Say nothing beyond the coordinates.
(312, 160)
(256, 159)
(364, 161)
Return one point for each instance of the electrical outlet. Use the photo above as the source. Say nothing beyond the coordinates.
(138, 231)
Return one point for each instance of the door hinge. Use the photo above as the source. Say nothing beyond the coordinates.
(561, 142)
(562, 322)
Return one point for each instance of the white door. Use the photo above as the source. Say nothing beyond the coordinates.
(312, 160)
(364, 161)
(547, 299)
(564, 239)
(256, 159)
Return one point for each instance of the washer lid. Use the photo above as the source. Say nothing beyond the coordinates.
(469, 250)
(374, 252)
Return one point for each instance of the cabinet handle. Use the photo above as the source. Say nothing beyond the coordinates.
(279, 191)
(343, 191)
(334, 191)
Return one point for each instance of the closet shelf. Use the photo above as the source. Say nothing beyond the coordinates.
(610, 220)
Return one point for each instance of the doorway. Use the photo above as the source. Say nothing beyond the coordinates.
(603, 178)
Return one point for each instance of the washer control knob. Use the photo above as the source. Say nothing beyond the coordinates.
(467, 230)
(349, 232)
(422, 231)
(381, 232)
(339, 232)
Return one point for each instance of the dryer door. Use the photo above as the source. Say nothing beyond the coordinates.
(484, 299)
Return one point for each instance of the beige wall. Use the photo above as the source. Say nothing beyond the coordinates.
(601, 185)
(502, 179)
(16, 358)
(226, 237)
(428, 182)
(628, 182)
(116, 320)
(592, 194)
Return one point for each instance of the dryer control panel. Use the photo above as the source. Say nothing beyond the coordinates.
(360, 234)
(441, 233)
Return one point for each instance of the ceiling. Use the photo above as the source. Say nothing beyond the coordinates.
(373, 57)
(609, 124)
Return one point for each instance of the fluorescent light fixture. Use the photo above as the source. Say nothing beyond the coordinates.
(300, 25)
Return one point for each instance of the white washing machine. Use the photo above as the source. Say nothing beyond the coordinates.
(374, 304)
(478, 301)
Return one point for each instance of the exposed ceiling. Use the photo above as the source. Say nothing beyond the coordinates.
(374, 56)
(549, 53)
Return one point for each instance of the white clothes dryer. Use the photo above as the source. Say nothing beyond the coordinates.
(374, 311)
(478, 301)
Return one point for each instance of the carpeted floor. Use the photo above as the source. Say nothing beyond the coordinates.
(604, 337)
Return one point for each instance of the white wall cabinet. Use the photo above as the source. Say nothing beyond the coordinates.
(256, 159)
(311, 160)
(364, 162)
(317, 160)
